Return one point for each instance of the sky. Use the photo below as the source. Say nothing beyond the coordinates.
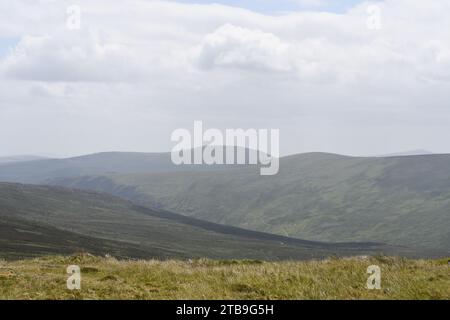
(349, 77)
(284, 6)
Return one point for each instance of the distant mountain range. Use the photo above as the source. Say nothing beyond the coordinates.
(400, 200)
(108, 162)
(22, 158)
(38, 220)
(39, 171)
(408, 153)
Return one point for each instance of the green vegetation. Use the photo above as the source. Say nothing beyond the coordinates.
(108, 278)
(39, 220)
(323, 197)
(21, 238)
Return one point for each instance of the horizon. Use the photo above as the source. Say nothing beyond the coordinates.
(405, 153)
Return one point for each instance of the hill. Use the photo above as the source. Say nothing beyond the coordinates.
(322, 197)
(15, 159)
(45, 278)
(20, 238)
(37, 220)
(408, 153)
(38, 171)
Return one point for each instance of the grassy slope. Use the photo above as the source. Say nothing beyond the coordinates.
(52, 218)
(107, 278)
(20, 239)
(400, 200)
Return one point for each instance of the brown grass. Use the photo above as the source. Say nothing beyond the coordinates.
(108, 278)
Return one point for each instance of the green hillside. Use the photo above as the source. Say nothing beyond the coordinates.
(317, 196)
(36, 220)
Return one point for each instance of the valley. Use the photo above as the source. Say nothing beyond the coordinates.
(322, 197)
(39, 220)
(141, 206)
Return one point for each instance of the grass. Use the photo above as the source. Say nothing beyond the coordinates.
(109, 278)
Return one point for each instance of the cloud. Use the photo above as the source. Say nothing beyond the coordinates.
(57, 58)
(144, 68)
(231, 46)
(154, 38)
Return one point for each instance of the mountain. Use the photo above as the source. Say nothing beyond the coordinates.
(419, 152)
(316, 196)
(15, 159)
(36, 220)
(39, 171)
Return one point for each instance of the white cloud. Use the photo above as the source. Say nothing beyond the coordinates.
(235, 47)
(168, 64)
(83, 57)
(116, 45)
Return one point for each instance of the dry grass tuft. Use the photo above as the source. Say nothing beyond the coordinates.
(108, 278)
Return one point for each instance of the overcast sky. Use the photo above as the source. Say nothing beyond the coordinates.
(324, 74)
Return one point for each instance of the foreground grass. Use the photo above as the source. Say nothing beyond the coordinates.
(108, 278)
